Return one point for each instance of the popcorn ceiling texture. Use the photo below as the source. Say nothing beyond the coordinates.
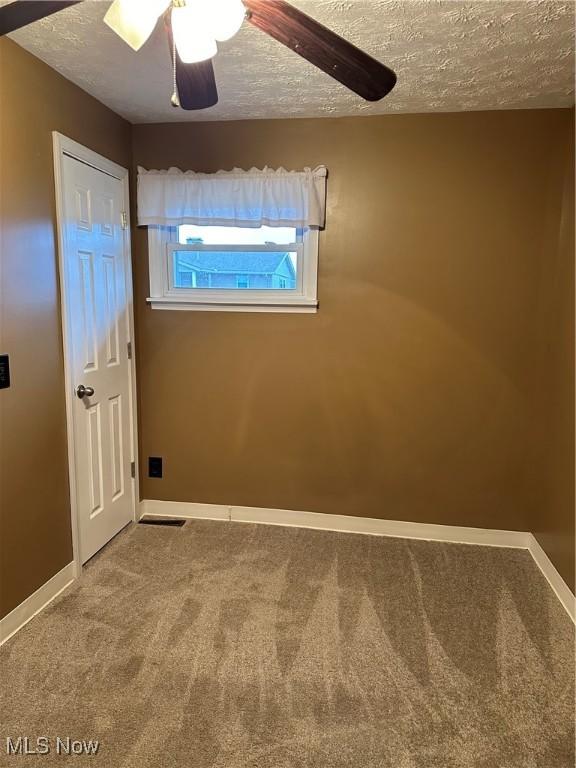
(449, 56)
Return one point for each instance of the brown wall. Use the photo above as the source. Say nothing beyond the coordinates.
(411, 394)
(34, 504)
(436, 382)
(552, 512)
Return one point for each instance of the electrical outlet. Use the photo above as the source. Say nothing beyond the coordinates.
(4, 371)
(154, 466)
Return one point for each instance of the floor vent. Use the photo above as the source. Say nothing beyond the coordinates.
(170, 521)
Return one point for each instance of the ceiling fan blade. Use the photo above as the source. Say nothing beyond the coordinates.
(196, 83)
(22, 12)
(320, 46)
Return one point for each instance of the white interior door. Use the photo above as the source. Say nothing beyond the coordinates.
(96, 264)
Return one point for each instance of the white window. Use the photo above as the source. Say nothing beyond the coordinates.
(265, 269)
(233, 240)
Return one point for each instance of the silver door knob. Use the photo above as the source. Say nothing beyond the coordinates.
(83, 391)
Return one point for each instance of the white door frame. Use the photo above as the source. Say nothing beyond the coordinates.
(65, 147)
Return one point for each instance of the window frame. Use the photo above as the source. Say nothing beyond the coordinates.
(163, 242)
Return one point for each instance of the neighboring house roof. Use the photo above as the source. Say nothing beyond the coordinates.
(236, 262)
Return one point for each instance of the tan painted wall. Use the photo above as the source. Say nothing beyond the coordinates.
(411, 394)
(34, 503)
(552, 512)
(416, 393)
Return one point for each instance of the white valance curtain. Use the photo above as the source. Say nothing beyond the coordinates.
(255, 198)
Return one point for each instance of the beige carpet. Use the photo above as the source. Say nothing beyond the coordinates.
(242, 646)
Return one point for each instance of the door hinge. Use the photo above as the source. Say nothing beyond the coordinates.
(124, 219)
(129, 348)
(133, 469)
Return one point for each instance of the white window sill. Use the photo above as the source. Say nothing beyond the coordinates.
(301, 307)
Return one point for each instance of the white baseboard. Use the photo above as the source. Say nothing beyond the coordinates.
(184, 510)
(44, 595)
(342, 523)
(562, 590)
(375, 527)
(396, 528)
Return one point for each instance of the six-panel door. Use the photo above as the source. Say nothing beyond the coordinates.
(96, 298)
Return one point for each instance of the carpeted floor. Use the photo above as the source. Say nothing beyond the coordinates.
(243, 646)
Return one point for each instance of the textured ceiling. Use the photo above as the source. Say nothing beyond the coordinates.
(449, 56)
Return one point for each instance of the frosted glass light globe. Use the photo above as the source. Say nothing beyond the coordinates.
(193, 34)
(134, 20)
(226, 17)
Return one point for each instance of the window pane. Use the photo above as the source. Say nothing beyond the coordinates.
(237, 270)
(189, 234)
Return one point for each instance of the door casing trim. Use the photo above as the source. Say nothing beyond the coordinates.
(66, 147)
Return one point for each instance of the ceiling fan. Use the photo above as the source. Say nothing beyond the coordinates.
(195, 26)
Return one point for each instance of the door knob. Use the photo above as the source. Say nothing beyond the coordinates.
(83, 391)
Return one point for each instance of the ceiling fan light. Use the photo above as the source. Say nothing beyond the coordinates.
(194, 39)
(226, 17)
(134, 20)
